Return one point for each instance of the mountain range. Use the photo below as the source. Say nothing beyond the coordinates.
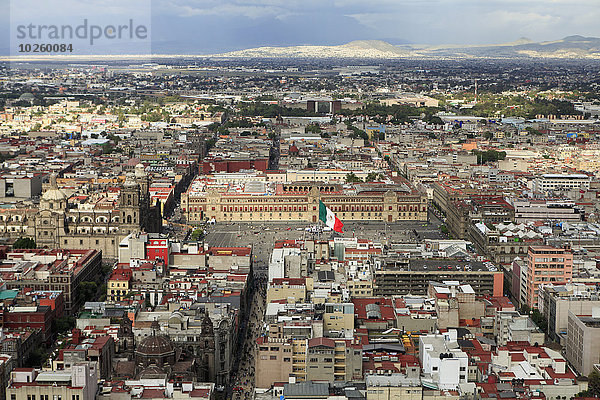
(571, 47)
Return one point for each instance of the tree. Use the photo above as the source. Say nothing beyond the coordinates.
(483, 157)
(593, 389)
(63, 324)
(352, 178)
(538, 318)
(37, 357)
(533, 131)
(198, 234)
(210, 143)
(594, 384)
(88, 290)
(312, 128)
(373, 176)
(24, 243)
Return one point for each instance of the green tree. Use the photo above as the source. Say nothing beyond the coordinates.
(88, 290)
(593, 389)
(538, 318)
(210, 143)
(198, 234)
(594, 384)
(24, 243)
(483, 157)
(312, 128)
(373, 176)
(37, 357)
(63, 324)
(352, 178)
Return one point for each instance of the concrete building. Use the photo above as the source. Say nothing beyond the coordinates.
(546, 264)
(412, 276)
(555, 302)
(510, 326)
(338, 319)
(527, 210)
(393, 387)
(454, 302)
(20, 186)
(78, 382)
(42, 269)
(318, 359)
(551, 182)
(333, 360)
(583, 341)
(444, 364)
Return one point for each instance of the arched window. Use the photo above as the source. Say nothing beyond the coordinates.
(129, 219)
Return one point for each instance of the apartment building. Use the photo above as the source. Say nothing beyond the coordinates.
(556, 300)
(317, 359)
(546, 264)
(43, 269)
(77, 383)
(393, 387)
(399, 277)
(583, 341)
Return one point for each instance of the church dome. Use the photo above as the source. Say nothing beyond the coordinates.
(155, 345)
(54, 193)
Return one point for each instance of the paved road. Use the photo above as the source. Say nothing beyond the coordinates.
(243, 381)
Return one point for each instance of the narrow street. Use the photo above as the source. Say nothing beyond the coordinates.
(243, 380)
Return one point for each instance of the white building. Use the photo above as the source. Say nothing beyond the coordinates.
(277, 261)
(561, 182)
(443, 362)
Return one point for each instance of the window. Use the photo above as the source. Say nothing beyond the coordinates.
(273, 357)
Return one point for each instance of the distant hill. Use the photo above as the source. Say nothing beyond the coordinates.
(576, 47)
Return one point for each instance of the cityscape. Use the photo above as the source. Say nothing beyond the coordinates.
(369, 219)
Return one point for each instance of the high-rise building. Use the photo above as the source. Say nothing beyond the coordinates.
(546, 264)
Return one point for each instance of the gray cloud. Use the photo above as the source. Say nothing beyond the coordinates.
(222, 25)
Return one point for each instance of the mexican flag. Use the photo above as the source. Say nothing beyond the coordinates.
(327, 216)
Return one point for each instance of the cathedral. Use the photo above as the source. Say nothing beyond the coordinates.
(59, 224)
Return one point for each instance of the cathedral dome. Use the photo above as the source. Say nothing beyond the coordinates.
(155, 346)
(54, 193)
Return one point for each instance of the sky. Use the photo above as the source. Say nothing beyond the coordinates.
(214, 26)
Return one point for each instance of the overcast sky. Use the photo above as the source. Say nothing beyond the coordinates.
(209, 26)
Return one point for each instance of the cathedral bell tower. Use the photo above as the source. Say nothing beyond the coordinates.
(50, 223)
(130, 206)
